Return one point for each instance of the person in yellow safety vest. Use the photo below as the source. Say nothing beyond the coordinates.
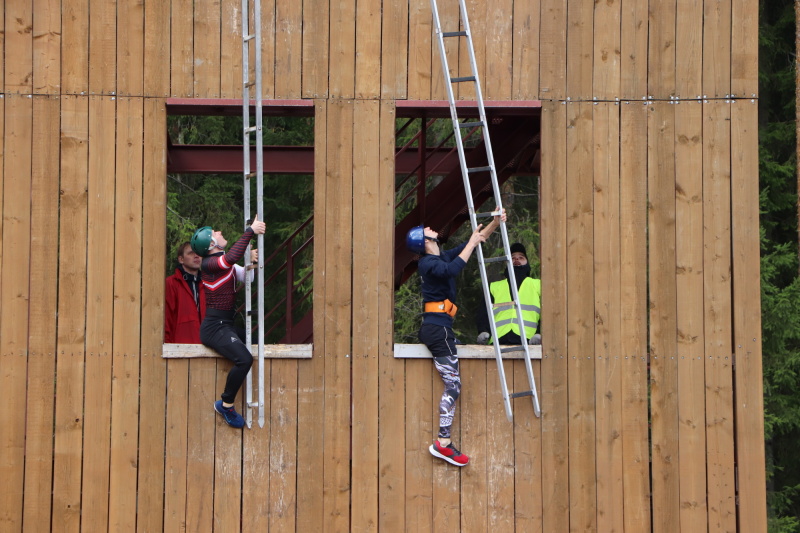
(505, 317)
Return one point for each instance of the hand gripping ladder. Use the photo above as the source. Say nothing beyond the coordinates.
(254, 83)
(458, 126)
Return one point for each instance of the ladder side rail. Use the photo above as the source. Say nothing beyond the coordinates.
(260, 207)
(246, 192)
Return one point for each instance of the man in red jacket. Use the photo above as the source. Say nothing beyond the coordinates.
(185, 299)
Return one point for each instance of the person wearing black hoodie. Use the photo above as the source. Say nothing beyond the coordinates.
(505, 317)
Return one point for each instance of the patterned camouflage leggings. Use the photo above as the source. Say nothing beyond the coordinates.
(442, 344)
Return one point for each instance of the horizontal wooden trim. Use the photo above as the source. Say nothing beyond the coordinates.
(465, 351)
(303, 351)
(271, 351)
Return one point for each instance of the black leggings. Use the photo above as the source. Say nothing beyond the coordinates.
(217, 332)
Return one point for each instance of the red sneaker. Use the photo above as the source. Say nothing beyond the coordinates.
(449, 453)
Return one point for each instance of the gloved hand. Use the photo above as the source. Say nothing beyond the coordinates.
(536, 340)
(483, 338)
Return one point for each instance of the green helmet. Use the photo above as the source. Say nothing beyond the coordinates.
(201, 241)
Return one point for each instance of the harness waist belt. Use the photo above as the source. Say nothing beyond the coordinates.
(219, 313)
(441, 307)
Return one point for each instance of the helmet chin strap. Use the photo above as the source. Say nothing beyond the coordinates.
(215, 245)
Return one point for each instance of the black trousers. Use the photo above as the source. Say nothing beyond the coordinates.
(218, 332)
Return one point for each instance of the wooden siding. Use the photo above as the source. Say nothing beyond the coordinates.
(650, 373)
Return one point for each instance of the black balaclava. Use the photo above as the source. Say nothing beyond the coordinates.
(523, 271)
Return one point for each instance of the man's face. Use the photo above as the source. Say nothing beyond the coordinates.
(431, 246)
(189, 259)
(219, 239)
(518, 259)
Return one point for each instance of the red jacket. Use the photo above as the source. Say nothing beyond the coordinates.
(181, 317)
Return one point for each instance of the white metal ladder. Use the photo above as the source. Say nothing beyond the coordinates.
(253, 82)
(458, 126)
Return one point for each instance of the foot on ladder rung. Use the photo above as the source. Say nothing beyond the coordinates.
(480, 169)
(465, 78)
(512, 349)
(496, 259)
(464, 125)
(454, 34)
(521, 394)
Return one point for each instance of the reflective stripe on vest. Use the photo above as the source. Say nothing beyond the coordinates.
(505, 317)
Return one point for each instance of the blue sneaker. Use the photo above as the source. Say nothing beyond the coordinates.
(232, 418)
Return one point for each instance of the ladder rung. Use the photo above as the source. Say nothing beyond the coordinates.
(249, 37)
(496, 259)
(487, 214)
(251, 129)
(454, 34)
(479, 169)
(503, 305)
(251, 175)
(470, 124)
(250, 84)
(521, 394)
(465, 78)
(512, 349)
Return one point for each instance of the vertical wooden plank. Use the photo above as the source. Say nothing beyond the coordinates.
(528, 468)
(72, 314)
(14, 284)
(555, 431)
(663, 344)
(499, 51)
(749, 395)
(231, 49)
(157, 25)
(661, 75)
(552, 52)
(99, 309)
(606, 75)
(289, 45)
(127, 308)
(130, 48)
(444, 482)
(423, 390)
(46, 46)
(580, 305)
(75, 38)
(579, 50)
(689, 49)
(206, 48)
(449, 17)
(341, 74)
(718, 311)
(366, 164)
(150, 501)
(423, 58)
(607, 305)
(368, 49)
(633, 49)
(316, 53)
(285, 440)
(394, 51)
(175, 451)
(633, 317)
(717, 48)
(227, 483)
(2, 47)
(42, 328)
(477, 13)
(19, 47)
(338, 261)
(269, 52)
(525, 53)
(499, 451)
(689, 287)
(391, 372)
(473, 442)
(103, 46)
(744, 56)
(258, 500)
(201, 421)
(182, 48)
(311, 374)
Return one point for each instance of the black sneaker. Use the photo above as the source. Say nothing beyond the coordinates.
(449, 453)
(232, 418)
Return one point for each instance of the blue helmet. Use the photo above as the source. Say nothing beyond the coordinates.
(415, 240)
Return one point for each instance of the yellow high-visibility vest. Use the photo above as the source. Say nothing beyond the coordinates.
(505, 316)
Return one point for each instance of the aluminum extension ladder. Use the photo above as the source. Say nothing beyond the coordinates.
(253, 82)
(458, 126)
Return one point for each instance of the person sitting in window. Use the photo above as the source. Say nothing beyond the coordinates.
(185, 299)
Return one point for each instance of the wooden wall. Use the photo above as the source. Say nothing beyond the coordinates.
(650, 381)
